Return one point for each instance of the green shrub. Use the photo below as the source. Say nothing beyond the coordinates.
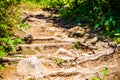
(102, 14)
(8, 21)
(53, 3)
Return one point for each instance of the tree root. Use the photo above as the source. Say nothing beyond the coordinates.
(65, 52)
(82, 71)
(96, 71)
(97, 55)
(70, 40)
(43, 45)
(80, 60)
(7, 59)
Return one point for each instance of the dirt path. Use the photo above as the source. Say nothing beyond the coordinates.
(64, 53)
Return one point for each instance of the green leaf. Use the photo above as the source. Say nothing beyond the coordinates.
(1, 66)
(4, 39)
(8, 0)
(27, 26)
(113, 22)
(18, 40)
(105, 71)
(108, 27)
(111, 18)
(118, 30)
(76, 45)
(18, 1)
(95, 78)
(10, 42)
(2, 54)
(117, 34)
(96, 26)
(1, 48)
(58, 61)
(107, 22)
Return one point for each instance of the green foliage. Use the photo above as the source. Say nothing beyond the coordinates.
(76, 45)
(8, 21)
(25, 25)
(105, 71)
(95, 78)
(53, 3)
(1, 66)
(102, 14)
(8, 44)
(99, 13)
(2, 53)
(57, 60)
(117, 38)
(30, 4)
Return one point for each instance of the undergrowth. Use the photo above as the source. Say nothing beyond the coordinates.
(9, 20)
(102, 15)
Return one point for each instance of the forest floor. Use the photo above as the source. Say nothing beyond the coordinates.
(56, 49)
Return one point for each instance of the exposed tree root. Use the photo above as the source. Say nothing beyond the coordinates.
(97, 55)
(70, 40)
(64, 52)
(83, 59)
(43, 45)
(96, 71)
(68, 53)
(82, 71)
(7, 59)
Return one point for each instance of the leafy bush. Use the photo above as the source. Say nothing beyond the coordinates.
(53, 3)
(99, 13)
(8, 20)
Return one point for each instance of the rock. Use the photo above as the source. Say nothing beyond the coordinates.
(92, 41)
(28, 39)
(101, 37)
(76, 28)
(30, 67)
(29, 78)
(76, 32)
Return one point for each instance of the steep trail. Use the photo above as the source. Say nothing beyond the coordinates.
(73, 53)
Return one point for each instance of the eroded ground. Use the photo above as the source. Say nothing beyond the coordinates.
(65, 51)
